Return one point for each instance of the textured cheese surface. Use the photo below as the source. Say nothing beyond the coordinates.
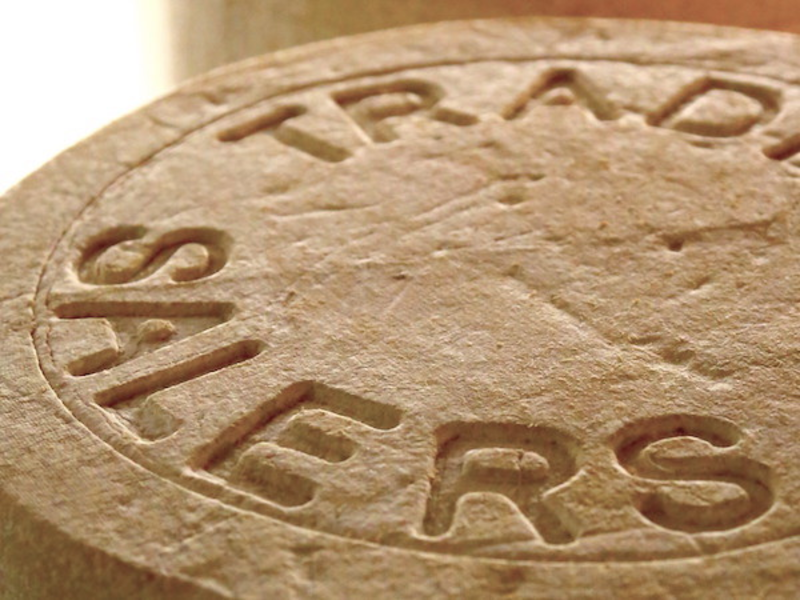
(471, 310)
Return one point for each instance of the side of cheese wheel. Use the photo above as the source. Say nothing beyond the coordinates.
(485, 309)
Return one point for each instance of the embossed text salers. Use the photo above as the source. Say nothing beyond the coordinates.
(685, 472)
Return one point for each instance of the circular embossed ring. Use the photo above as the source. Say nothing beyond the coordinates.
(472, 309)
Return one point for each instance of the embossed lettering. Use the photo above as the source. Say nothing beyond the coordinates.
(128, 254)
(785, 150)
(517, 462)
(93, 335)
(717, 107)
(296, 127)
(281, 451)
(133, 402)
(563, 87)
(333, 128)
(377, 109)
(693, 475)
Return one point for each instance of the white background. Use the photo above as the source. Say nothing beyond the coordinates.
(68, 67)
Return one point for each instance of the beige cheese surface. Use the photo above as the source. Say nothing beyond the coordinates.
(492, 308)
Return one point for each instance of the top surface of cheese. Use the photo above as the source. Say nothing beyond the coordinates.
(464, 309)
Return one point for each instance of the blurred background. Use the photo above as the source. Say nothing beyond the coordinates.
(70, 66)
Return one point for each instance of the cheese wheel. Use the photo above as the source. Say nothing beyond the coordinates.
(492, 308)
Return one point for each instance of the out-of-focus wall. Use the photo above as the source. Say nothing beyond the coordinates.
(208, 33)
